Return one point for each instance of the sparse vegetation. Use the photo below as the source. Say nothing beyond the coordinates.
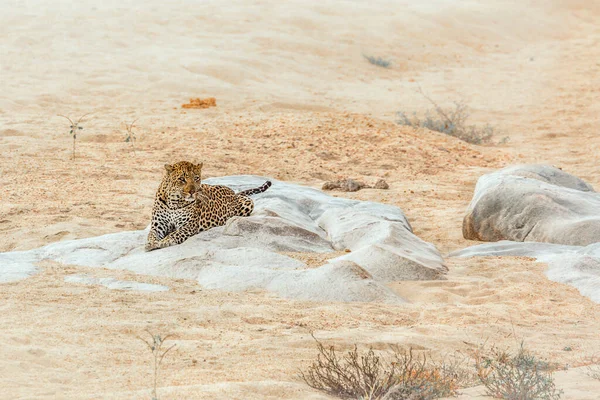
(593, 369)
(401, 375)
(158, 354)
(380, 62)
(75, 127)
(520, 376)
(130, 136)
(452, 122)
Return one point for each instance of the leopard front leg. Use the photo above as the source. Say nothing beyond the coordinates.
(153, 239)
(158, 230)
(152, 243)
(176, 237)
(160, 226)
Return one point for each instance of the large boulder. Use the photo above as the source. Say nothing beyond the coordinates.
(578, 266)
(256, 252)
(534, 203)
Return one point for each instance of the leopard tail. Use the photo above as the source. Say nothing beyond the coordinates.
(257, 190)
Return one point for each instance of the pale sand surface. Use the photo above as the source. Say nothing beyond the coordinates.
(296, 101)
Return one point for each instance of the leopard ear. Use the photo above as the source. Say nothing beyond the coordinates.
(198, 167)
(169, 168)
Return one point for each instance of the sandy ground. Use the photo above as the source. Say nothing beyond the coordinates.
(296, 101)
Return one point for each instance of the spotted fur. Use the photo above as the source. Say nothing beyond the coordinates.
(183, 206)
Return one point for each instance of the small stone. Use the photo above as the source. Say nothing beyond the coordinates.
(350, 185)
(344, 185)
(330, 185)
(381, 184)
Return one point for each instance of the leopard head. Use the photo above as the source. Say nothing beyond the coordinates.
(181, 183)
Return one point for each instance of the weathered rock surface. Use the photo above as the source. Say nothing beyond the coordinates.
(534, 203)
(578, 266)
(246, 253)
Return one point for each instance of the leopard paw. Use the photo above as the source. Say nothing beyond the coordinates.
(150, 246)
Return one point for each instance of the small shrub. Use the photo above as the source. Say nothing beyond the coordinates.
(380, 62)
(521, 376)
(75, 127)
(130, 136)
(369, 376)
(452, 122)
(593, 369)
(158, 354)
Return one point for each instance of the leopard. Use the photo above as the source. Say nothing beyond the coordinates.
(184, 206)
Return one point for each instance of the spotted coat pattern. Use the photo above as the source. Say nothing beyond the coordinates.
(184, 207)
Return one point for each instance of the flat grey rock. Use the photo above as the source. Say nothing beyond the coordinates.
(115, 284)
(250, 253)
(17, 265)
(578, 266)
(533, 203)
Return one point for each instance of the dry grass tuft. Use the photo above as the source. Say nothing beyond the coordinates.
(380, 62)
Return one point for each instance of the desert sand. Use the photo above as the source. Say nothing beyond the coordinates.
(296, 101)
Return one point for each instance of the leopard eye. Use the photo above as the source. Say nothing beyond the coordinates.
(182, 180)
(197, 178)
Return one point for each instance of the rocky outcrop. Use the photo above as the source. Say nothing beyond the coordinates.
(253, 252)
(534, 203)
